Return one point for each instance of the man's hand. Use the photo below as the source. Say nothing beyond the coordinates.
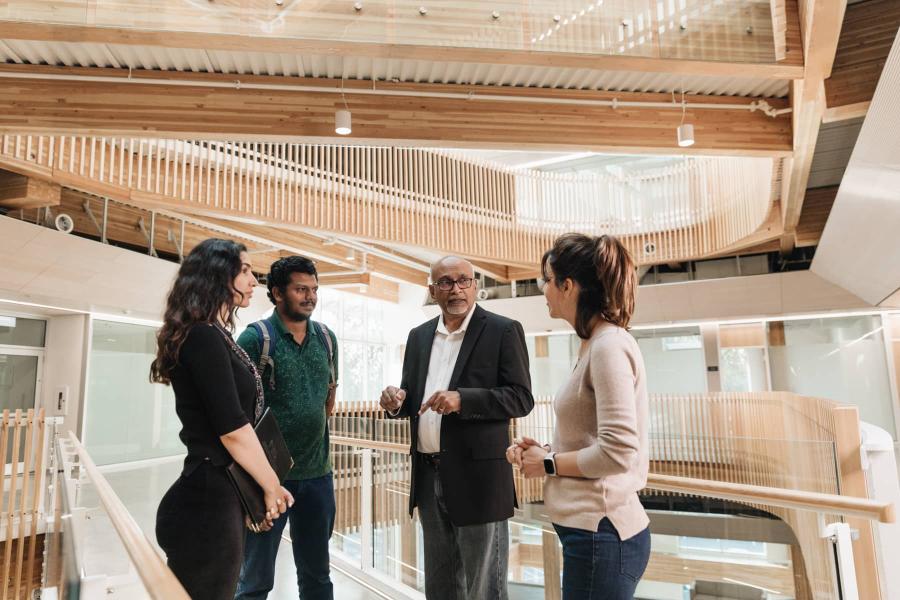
(442, 403)
(392, 398)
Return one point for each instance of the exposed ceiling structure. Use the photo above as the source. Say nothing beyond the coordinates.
(569, 89)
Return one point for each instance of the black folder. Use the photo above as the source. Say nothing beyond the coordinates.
(250, 492)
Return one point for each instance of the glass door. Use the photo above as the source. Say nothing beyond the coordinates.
(21, 369)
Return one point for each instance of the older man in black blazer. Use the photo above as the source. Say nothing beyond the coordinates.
(465, 375)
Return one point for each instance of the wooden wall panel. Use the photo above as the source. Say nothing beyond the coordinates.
(866, 37)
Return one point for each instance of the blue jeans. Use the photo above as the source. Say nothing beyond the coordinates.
(601, 566)
(312, 521)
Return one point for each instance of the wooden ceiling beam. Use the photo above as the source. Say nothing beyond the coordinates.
(18, 30)
(363, 283)
(820, 22)
(184, 110)
(19, 191)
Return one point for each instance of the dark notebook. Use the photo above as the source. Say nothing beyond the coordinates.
(249, 492)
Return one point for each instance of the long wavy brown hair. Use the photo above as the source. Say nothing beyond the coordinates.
(204, 285)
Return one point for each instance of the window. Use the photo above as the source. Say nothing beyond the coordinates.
(127, 418)
(16, 331)
(840, 358)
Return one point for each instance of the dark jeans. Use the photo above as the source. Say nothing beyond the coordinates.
(461, 563)
(200, 527)
(312, 521)
(601, 566)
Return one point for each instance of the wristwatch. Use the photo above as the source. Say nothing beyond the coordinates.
(550, 464)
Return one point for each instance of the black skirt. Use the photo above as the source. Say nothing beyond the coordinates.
(200, 527)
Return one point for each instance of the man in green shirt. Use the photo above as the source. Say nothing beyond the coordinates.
(298, 364)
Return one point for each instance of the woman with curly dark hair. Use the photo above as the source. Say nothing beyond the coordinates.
(218, 396)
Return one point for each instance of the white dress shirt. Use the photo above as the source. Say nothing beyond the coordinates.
(444, 352)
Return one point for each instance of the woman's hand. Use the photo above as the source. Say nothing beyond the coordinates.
(533, 461)
(277, 503)
(515, 453)
(264, 526)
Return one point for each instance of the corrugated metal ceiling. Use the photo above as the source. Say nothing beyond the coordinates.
(406, 70)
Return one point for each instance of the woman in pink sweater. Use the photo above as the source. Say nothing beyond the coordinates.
(598, 459)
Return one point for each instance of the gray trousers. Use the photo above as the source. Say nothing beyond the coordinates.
(461, 563)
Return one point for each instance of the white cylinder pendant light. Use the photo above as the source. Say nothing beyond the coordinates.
(685, 135)
(342, 122)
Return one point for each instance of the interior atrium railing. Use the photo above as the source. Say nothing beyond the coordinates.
(695, 208)
(95, 549)
(770, 455)
(733, 507)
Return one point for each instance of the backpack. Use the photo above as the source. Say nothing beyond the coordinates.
(265, 330)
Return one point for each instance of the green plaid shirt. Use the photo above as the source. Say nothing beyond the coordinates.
(298, 400)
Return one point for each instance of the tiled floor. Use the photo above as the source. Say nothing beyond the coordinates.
(140, 489)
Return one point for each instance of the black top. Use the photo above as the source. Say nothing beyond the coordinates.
(215, 393)
(492, 378)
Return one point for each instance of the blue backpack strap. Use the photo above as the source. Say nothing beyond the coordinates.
(267, 341)
(329, 347)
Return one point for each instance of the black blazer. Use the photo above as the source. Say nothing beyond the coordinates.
(492, 378)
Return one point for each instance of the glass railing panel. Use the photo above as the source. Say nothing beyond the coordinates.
(725, 30)
(700, 545)
(92, 539)
(397, 538)
(732, 30)
(347, 472)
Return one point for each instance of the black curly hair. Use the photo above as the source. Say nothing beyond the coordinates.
(205, 284)
(280, 272)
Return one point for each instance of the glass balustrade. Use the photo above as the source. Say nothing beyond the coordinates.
(724, 30)
(702, 547)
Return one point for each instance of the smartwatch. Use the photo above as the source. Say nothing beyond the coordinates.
(550, 464)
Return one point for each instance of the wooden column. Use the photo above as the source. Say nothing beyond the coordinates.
(552, 567)
(802, 590)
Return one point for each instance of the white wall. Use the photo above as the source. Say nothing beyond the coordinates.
(797, 292)
(45, 266)
(64, 366)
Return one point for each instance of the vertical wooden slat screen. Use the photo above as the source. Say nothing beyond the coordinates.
(22, 438)
(435, 199)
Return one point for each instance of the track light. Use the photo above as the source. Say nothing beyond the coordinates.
(350, 255)
(342, 122)
(685, 135)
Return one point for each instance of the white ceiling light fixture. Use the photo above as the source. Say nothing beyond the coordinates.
(342, 118)
(350, 255)
(685, 130)
(342, 122)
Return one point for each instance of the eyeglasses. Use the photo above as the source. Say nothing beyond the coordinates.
(541, 283)
(445, 285)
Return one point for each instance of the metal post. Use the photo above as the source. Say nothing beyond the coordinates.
(152, 240)
(841, 537)
(105, 220)
(366, 529)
